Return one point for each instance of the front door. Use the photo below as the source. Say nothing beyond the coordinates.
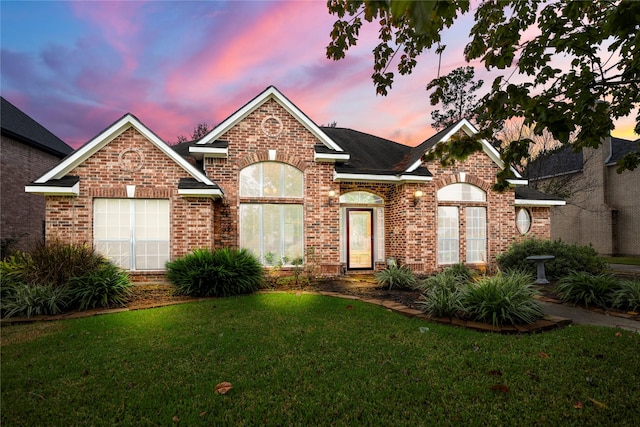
(360, 239)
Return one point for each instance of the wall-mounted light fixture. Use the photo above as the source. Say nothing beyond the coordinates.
(416, 197)
(332, 195)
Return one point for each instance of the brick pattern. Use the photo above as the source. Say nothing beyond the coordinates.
(22, 214)
(71, 218)
(270, 133)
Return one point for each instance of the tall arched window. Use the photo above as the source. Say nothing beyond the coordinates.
(462, 224)
(272, 229)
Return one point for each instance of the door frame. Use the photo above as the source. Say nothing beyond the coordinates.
(371, 239)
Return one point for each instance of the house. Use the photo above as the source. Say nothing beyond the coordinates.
(270, 180)
(27, 150)
(603, 206)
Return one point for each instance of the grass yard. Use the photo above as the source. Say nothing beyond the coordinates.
(310, 360)
(627, 260)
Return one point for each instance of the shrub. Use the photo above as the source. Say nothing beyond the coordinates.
(568, 258)
(626, 295)
(221, 273)
(460, 271)
(586, 289)
(23, 300)
(55, 263)
(503, 298)
(442, 294)
(398, 276)
(106, 286)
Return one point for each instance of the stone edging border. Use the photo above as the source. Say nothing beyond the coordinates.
(545, 324)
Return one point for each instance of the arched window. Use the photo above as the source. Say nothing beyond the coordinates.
(271, 179)
(462, 216)
(272, 231)
(523, 221)
(462, 192)
(361, 198)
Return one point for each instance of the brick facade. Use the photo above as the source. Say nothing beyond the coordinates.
(271, 132)
(23, 215)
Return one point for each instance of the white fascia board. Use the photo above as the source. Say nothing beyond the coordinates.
(211, 151)
(415, 165)
(270, 93)
(385, 179)
(525, 202)
(488, 149)
(50, 190)
(87, 150)
(214, 193)
(330, 157)
(518, 181)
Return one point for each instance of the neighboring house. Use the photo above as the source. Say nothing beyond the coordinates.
(270, 180)
(27, 151)
(603, 207)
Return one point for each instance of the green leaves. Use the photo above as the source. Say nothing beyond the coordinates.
(600, 40)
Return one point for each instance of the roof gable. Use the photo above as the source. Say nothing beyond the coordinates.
(463, 125)
(108, 135)
(270, 93)
(18, 125)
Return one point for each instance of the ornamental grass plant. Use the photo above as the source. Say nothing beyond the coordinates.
(506, 298)
(587, 289)
(220, 273)
(626, 295)
(397, 276)
(58, 277)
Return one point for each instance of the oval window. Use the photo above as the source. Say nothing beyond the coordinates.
(523, 221)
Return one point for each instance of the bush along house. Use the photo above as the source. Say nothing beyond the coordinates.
(270, 180)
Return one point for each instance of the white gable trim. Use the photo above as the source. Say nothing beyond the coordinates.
(108, 135)
(270, 93)
(52, 190)
(470, 130)
(527, 202)
(387, 179)
(214, 152)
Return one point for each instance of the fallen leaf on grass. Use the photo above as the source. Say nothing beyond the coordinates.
(543, 355)
(349, 307)
(501, 388)
(578, 405)
(618, 334)
(175, 419)
(495, 373)
(203, 413)
(223, 388)
(600, 405)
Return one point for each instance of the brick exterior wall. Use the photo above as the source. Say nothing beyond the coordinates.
(270, 133)
(22, 214)
(156, 177)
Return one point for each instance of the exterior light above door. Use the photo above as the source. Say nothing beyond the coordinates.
(332, 196)
(416, 197)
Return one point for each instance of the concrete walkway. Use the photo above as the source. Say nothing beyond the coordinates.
(631, 270)
(582, 316)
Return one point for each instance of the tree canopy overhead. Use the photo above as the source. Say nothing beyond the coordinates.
(581, 60)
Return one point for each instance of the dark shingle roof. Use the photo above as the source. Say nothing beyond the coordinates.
(370, 154)
(191, 183)
(556, 162)
(21, 127)
(621, 147)
(528, 193)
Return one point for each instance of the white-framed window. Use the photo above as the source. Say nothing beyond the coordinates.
(476, 218)
(273, 232)
(461, 199)
(132, 233)
(461, 192)
(448, 235)
(270, 180)
(523, 221)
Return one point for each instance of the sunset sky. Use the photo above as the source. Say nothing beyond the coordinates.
(76, 67)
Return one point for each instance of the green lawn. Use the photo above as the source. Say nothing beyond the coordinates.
(310, 360)
(627, 260)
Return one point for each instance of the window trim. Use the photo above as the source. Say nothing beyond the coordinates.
(529, 219)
